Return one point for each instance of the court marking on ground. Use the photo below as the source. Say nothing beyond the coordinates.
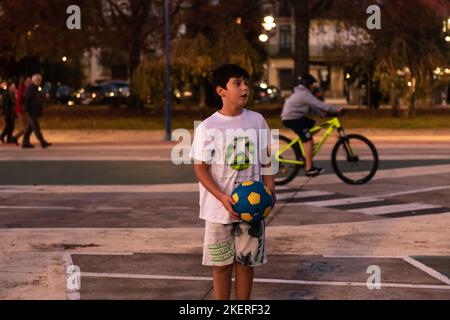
(61, 208)
(419, 265)
(380, 175)
(368, 205)
(260, 280)
(75, 295)
(193, 187)
(373, 205)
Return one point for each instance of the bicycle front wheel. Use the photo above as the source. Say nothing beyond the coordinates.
(355, 159)
(286, 171)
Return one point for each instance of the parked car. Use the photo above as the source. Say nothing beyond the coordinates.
(89, 94)
(266, 94)
(115, 92)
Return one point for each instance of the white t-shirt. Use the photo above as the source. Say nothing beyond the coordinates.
(235, 149)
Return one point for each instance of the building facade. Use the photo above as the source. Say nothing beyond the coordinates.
(332, 48)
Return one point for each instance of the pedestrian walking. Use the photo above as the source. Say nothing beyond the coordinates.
(33, 106)
(8, 104)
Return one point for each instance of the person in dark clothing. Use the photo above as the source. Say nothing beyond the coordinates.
(24, 83)
(296, 108)
(33, 105)
(9, 103)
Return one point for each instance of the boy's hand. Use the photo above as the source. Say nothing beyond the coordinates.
(228, 203)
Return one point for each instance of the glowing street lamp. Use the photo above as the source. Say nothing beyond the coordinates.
(263, 37)
(64, 59)
(269, 23)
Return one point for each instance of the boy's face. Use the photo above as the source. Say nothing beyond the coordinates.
(236, 93)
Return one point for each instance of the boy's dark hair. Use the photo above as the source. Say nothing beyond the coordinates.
(222, 75)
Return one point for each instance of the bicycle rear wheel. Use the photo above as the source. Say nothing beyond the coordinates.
(286, 171)
(355, 159)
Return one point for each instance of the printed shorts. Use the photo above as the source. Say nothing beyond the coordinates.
(225, 244)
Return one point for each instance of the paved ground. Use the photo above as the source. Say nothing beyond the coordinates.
(113, 204)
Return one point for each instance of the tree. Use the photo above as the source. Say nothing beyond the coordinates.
(222, 32)
(37, 31)
(131, 26)
(407, 49)
(192, 60)
(304, 11)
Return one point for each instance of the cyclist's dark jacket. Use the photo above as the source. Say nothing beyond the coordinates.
(302, 102)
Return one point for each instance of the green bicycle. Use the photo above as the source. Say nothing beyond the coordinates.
(354, 157)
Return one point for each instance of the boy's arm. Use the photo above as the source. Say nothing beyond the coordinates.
(319, 106)
(205, 178)
(269, 180)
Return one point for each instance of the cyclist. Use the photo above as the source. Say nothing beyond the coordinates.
(294, 116)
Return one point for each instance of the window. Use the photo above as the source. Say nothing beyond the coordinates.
(286, 78)
(285, 40)
(285, 8)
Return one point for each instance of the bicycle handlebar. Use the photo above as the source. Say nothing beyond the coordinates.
(336, 114)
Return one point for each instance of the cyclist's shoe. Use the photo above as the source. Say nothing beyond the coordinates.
(313, 172)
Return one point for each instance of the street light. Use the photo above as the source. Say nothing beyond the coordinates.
(269, 23)
(64, 59)
(263, 37)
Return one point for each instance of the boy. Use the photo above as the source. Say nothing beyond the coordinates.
(229, 242)
(293, 116)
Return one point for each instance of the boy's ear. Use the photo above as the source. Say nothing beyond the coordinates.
(220, 91)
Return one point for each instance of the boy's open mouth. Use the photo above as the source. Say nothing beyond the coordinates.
(244, 96)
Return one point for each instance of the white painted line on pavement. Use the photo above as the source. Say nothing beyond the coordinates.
(143, 276)
(54, 158)
(338, 202)
(302, 194)
(37, 208)
(413, 191)
(65, 208)
(360, 256)
(61, 189)
(430, 271)
(102, 253)
(415, 157)
(108, 208)
(380, 175)
(394, 208)
(260, 280)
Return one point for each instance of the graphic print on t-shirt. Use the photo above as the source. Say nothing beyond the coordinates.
(237, 158)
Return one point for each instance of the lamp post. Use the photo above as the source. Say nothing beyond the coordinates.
(168, 136)
(268, 24)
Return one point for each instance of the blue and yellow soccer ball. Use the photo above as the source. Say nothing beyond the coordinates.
(253, 201)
